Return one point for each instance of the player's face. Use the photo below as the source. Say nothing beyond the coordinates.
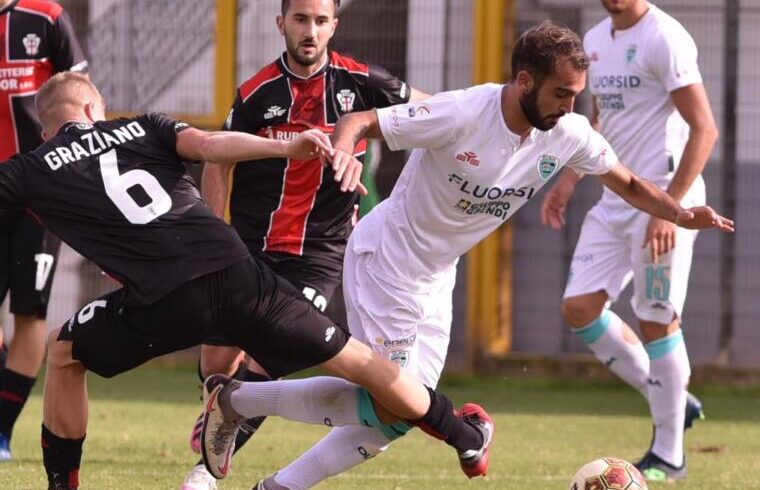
(618, 6)
(308, 26)
(544, 104)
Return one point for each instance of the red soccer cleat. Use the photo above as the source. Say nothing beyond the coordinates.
(475, 461)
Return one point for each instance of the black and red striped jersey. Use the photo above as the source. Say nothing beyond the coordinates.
(293, 206)
(36, 41)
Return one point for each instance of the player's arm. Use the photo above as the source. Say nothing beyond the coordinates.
(232, 146)
(351, 129)
(214, 186)
(555, 201)
(594, 120)
(418, 95)
(646, 196)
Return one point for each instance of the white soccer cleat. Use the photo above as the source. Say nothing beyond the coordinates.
(199, 479)
(220, 424)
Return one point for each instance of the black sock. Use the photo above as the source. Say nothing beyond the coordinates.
(14, 391)
(200, 372)
(441, 423)
(61, 458)
(3, 354)
(250, 426)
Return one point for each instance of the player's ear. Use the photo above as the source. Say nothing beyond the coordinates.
(45, 136)
(334, 26)
(280, 20)
(525, 80)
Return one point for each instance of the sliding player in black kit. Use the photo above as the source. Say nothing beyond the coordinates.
(117, 192)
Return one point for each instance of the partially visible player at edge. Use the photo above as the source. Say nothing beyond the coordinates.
(37, 40)
(478, 155)
(659, 121)
(118, 193)
(289, 213)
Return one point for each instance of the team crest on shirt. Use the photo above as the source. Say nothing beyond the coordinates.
(400, 357)
(547, 165)
(346, 100)
(630, 53)
(32, 44)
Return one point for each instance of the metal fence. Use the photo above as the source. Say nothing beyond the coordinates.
(159, 55)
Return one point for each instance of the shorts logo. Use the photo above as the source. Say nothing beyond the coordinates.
(346, 100)
(329, 332)
(31, 44)
(547, 165)
(44, 266)
(400, 357)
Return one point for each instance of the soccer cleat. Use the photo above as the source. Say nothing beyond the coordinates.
(220, 424)
(655, 468)
(693, 411)
(199, 479)
(5, 448)
(195, 435)
(474, 462)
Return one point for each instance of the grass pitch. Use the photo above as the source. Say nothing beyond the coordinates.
(139, 424)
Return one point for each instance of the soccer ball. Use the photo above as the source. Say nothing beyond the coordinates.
(608, 474)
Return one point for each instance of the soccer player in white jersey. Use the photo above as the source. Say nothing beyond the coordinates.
(650, 104)
(478, 156)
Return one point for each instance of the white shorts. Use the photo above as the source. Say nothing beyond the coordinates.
(609, 254)
(409, 328)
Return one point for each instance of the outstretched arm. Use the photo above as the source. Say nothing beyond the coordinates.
(351, 129)
(646, 196)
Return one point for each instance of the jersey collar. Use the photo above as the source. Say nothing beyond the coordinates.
(8, 7)
(284, 67)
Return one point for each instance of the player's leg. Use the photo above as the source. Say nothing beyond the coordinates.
(599, 271)
(660, 293)
(297, 336)
(33, 259)
(421, 351)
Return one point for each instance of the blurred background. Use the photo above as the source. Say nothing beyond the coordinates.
(186, 57)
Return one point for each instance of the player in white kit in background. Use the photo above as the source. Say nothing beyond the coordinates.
(650, 104)
(479, 155)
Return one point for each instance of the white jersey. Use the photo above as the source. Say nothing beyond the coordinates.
(468, 174)
(632, 74)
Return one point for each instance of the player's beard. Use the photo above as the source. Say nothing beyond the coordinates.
(303, 60)
(529, 105)
(613, 8)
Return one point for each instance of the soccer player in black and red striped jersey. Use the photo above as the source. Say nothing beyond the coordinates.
(290, 213)
(36, 41)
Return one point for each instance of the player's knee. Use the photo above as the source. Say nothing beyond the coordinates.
(577, 312)
(59, 353)
(220, 360)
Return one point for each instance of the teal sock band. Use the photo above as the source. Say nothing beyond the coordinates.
(661, 347)
(591, 332)
(368, 418)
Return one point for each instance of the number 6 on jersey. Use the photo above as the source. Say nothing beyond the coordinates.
(117, 186)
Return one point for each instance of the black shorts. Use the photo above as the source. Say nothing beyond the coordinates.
(316, 280)
(261, 313)
(28, 258)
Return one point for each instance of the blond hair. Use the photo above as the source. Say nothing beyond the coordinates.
(64, 95)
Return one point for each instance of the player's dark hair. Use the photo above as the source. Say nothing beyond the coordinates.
(540, 49)
(286, 5)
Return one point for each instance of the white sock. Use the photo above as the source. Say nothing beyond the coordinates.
(630, 362)
(669, 378)
(340, 450)
(318, 400)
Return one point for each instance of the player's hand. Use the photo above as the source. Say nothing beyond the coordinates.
(660, 237)
(554, 205)
(703, 217)
(309, 144)
(348, 171)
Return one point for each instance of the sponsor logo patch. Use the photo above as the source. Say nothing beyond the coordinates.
(468, 157)
(272, 112)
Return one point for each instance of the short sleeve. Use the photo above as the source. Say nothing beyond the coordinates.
(238, 118)
(386, 89)
(674, 55)
(66, 53)
(166, 129)
(594, 154)
(429, 124)
(12, 187)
